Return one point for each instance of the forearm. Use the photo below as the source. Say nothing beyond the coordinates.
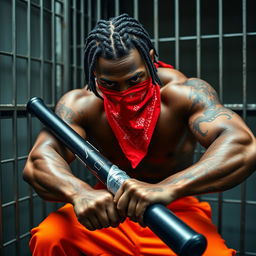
(225, 164)
(51, 177)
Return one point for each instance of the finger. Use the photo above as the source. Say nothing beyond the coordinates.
(95, 222)
(113, 216)
(122, 204)
(103, 219)
(140, 210)
(118, 194)
(131, 211)
(88, 224)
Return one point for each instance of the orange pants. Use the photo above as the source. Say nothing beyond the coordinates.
(61, 234)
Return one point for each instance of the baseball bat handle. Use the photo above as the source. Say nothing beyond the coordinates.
(182, 239)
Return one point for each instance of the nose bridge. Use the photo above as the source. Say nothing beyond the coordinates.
(123, 85)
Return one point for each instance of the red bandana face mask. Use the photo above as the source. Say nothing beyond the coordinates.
(132, 115)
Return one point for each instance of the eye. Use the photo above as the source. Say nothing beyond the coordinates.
(135, 79)
(107, 84)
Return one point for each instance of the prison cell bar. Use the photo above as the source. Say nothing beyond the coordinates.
(17, 108)
(220, 41)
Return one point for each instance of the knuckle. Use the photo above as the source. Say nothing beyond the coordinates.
(80, 215)
(108, 198)
(145, 197)
(133, 189)
(90, 209)
(128, 183)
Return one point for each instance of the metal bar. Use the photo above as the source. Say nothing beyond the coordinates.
(229, 201)
(214, 36)
(38, 6)
(162, 39)
(177, 36)
(29, 140)
(156, 32)
(66, 45)
(117, 7)
(53, 42)
(22, 199)
(15, 239)
(29, 47)
(20, 56)
(1, 198)
(198, 39)
(41, 48)
(220, 18)
(198, 61)
(22, 107)
(243, 185)
(98, 9)
(89, 7)
(14, 96)
(220, 50)
(42, 70)
(136, 9)
(82, 20)
(249, 253)
(14, 124)
(16, 179)
(26, 1)
(74, 44)
(19, 107)
(9, 160)
(240, 107)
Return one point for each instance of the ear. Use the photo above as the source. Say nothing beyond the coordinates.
(152, 55)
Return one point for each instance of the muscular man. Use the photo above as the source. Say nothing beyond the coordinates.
(145, 117)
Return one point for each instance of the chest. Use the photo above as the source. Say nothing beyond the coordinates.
(169, 137)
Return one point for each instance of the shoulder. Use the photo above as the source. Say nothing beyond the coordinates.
(192, 94)
(170, 76)
(75, 105)
(201, 94)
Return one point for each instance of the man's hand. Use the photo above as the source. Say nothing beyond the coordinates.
(95, 209)
(134, 196)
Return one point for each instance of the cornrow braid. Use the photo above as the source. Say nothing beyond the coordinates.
(113, 39)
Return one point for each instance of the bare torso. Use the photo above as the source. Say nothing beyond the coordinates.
(172, 144)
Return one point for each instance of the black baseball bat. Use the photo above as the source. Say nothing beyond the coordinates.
(182, 239)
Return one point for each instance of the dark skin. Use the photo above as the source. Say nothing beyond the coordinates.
(190, 112)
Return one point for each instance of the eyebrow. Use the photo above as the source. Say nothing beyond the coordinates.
(132, 77)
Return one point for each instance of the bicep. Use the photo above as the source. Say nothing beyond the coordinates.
(208, 117)
(208, 124)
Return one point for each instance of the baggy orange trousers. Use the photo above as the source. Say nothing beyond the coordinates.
(61, 234)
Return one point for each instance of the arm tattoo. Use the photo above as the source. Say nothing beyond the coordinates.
(204, 96)
(66, 113)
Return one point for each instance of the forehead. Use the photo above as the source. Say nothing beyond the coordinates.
(125, 65)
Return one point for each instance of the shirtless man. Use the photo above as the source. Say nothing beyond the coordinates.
(146, 118)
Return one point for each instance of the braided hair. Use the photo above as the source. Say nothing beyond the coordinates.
(113, 39)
